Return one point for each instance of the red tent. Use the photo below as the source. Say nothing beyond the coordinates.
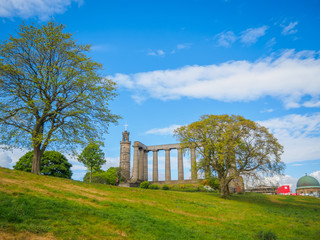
(284, 190)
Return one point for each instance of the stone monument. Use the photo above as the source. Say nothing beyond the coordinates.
(125, 146)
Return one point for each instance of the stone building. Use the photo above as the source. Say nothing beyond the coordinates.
(140, 164)
(125, 146)
(308, 185)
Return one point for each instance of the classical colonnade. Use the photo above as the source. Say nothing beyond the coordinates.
(140, 162)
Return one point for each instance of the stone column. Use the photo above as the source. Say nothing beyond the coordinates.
(155, 166)
(180, 165)
(141, 164)
(145, 165)
(168, 168)
(135, 170)
(193, 164)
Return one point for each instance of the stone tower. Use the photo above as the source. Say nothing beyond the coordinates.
(125, 146)
(236, 185)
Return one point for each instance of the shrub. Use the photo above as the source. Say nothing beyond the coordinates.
(144, 184)
(213, 182)
(111, 176)
(154, 186)
(165, 187)
(266, 235)
(52, 163)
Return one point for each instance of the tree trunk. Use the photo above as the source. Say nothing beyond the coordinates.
(224, 187)
(90, 174)
(37, 154)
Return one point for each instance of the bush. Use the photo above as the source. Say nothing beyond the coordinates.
(165, 187)
(144, 184)
(111, 176)
(154, 186)
(52, 163)
(266, 235)
(213, 182)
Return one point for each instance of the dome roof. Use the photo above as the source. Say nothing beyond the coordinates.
(307, 181)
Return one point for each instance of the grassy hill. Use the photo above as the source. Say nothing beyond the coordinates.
(41, 207)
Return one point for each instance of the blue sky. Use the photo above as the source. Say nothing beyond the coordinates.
(174, 61)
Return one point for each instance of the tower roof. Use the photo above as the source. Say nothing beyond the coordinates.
(307, 181)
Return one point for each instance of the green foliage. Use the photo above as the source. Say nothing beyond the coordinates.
(154, 186)
(266, 235)
(96, 177)
(213, 182)
(144, 184)
(186, 188)
(51, 92)
(110, 177)
(92, 157)
(113, 175)
(52, 163)
(165, 187)
(232, 146)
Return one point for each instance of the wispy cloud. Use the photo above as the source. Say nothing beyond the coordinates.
(181, 46)
(43, 9)
(270, 110)
(289, 29)
(163, 131)
(271, 42)
(158, 53)
(251, 35)
(289, 77)
(297, 164)
(226, 39)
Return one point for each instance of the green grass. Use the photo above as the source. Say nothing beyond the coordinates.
(53, 208)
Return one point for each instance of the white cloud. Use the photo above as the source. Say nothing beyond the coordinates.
(288, 77)
(163, 131)
(299, 134)
(290, 29)
(8, 158)
(226, 39)
(251, 35)
(43, 9)
(111, 162)
(157, 53)
(316, 175)
(5, 160)
(77, 167)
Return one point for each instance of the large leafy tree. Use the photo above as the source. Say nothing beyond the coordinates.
(232, 146)
(51, 92)
(92, 157)
(52, 163)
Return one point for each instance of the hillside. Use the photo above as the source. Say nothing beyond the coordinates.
(41, 207)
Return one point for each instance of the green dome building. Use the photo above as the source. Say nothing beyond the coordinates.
(308, 185)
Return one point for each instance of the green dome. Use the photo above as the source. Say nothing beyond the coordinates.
(307, 181)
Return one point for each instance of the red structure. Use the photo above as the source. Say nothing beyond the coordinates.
(284, 190)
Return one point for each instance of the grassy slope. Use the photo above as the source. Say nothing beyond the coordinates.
(41, 207)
